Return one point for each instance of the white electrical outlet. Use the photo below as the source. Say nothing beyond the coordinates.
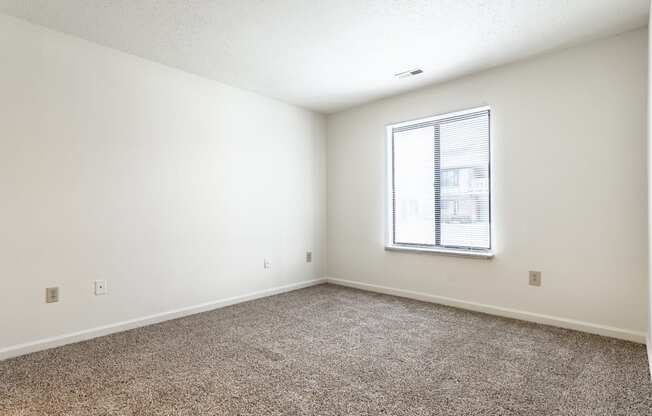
(535, 278)
(267, 264)
(100, 288)
(51, 295)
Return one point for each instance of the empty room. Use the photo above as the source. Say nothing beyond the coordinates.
(343, 207)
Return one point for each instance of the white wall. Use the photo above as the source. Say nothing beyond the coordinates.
(172, 187)
(569, 169)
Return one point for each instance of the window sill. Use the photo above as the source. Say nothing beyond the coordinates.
(443, 251)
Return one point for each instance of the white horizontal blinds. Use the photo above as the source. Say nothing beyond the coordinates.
(440, 182)
(413, 198)
(464, 178)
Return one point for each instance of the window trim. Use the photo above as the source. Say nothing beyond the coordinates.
(389, 200)
(478, 254)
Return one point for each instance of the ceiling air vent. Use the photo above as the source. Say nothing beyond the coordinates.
(407, 74)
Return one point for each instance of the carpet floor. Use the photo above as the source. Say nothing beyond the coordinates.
(328, 350)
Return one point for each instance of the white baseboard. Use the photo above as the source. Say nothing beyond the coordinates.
(47, 343)
(607, 331)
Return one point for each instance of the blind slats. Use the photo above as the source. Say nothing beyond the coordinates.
(440, 182)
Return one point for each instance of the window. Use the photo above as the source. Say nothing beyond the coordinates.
(450, 177)
(439, 195)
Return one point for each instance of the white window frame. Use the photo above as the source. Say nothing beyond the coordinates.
(389, 229)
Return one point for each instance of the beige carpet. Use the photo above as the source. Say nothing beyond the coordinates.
(329, 350)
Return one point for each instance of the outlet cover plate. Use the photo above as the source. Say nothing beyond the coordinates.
(51, 295)
(535, 278)
(100, 288)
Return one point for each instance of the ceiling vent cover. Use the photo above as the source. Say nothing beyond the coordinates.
(407, 74)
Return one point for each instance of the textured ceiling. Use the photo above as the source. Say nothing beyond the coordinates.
(332, 54)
